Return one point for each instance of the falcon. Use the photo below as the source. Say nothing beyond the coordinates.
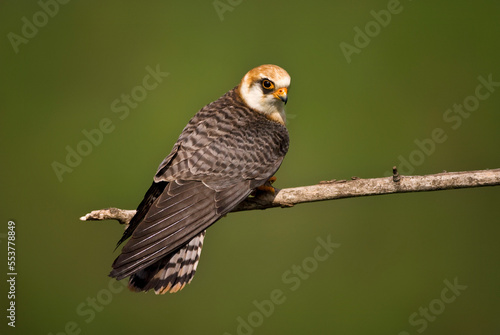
(230, 148)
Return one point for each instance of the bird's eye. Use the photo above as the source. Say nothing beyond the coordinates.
(267, 84)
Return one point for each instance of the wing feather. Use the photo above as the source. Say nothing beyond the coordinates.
(158, 234)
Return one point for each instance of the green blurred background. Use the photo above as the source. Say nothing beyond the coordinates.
(345, 119)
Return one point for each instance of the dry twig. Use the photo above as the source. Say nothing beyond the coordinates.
(340, 189)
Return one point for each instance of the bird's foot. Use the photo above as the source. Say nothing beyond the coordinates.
(267, 187)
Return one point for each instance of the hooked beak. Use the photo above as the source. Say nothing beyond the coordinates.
(282, 94)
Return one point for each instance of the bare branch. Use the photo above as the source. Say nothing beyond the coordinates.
(340, 189)
(122, 215)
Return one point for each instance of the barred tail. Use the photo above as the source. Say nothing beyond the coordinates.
(172, 272)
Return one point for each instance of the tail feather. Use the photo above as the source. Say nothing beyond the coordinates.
(172, 272)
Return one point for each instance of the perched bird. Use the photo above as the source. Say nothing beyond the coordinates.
(228, 149)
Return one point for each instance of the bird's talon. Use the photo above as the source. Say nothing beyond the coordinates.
(266, 189)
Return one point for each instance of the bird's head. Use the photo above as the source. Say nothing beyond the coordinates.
(265, 89)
